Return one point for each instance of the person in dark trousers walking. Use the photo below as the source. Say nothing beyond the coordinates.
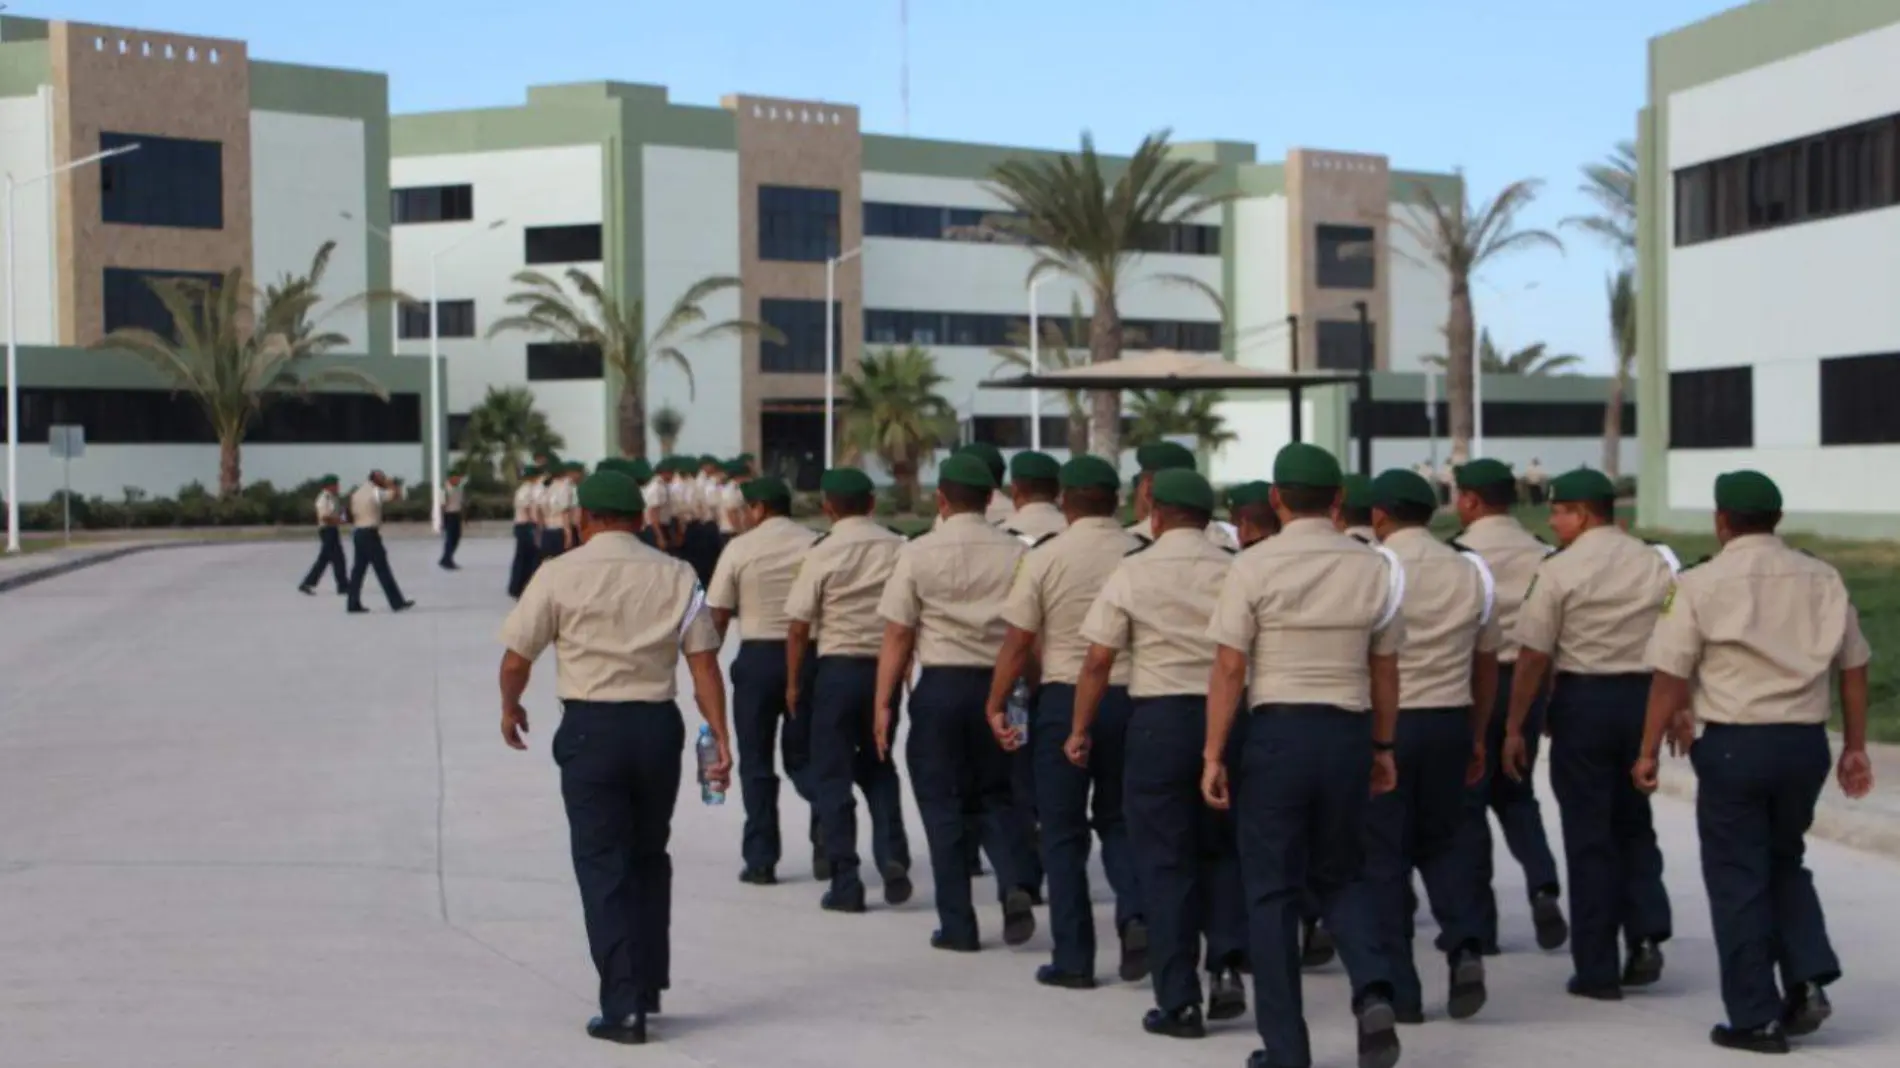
(452, 500)
(619, 616)
(1589, 614)
(1486, 492)
(329, 540)
(1155, 608)
(1313, 618)
(556, 507)
(1746, 646)
(1078, 778)
(366, 513)
(943, 603)
(527, 531)
(751, 581)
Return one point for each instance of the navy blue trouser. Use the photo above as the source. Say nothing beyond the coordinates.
(1516, 808)
(953, 755)
(1755, 792)
(527, 558)
(1300, 798)
(758, 717)
(1073, 801)
(329, 555)
(844, 753)
(368, 544)
(1186, 862)
(553, 542)
(620, 777)
(451, 536)
(1610, 846)
(1022, 790)
(1415, 828)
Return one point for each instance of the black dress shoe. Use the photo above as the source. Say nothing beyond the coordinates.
(1035, 896)
(1547, 915)
(754, 876)
(356, 610)
(1184, 1022)
(897, 884)
(1577, 989)
(1019, 919)
(1134, 965)
(1316, 946)
(1467, 985)
(849, 899)
(1645, 964)
(1378, 1033)
(1226, 995)
(1806, 1009)
(1491, 949)
(1408, 1017)
(820, 864)
(939, 940)
(628, 1030)
(1769, 1038)
(403, 607)
(1050, 975)
(650, 1002)
(307, 591)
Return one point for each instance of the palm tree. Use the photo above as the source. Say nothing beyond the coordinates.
(1622, 297)
(1462, 240)
(1164, 413)
(667, 424)
(1611, 184)
(238, 351)
(1090, 228)
(1532, 361)
(504, 430)
(1054, 354)
(893, 410)
(595, 318)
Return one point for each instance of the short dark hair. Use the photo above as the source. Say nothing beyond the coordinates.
(1409, 512)
(1355, 517)
(1753, 522)
(1093, 501)
(1042, 489)
(1603, 508)
(964, 498)
(1494, 495)
(775, 505)
(850, 503)
(1258, 513)
(1190, 516)
(1307, 500)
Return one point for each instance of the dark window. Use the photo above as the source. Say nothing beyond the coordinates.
(1695, 205)
(929, 222)
(1840, 172)
(1345, 257)
(904, 220)
(161, 417)
(169, 181)
(887, 326)
(458, 428)
(1339, 345)
(432, 204)
(1502, 419)
(454, 318)
(803, 324)
(560, 361)
(1712, 409)
(130, 300)
(562, 244)
(796, 223)
(1857, 400)
(1180, 335)
(1012, 431)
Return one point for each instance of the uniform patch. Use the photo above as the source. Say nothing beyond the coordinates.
(821, 537)
(1669, 599)
(1530, 589)
(1040, 542)
(1143, 547)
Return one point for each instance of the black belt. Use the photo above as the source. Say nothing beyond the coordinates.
(573, 704)
(1280, 708)
(1438, 710)
(1612, 676)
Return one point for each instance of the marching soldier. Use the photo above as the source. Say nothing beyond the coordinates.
(944, 602)
(1060, 578)
(1317, 617)
(452, 500)
(836, 593)
(527, 532)
(1588, 614)
(1156, 607)
(366, 513)
(1354, 517)
(1747, 643)
(329, 540)
(556, 507)
(1252, 512)
(1535, 479)
(1034, 482)
(619, 616)
(734, 511)
(1486, 492)
(1167, 456)
(999, 509)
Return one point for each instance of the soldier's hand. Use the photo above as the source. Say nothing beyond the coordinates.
(1515, 761)
(881, 730)
(720, 772)
(1005, 734)
(1856, 774)
(1214, 785)
(791, 702)
(1474, 768)
(1385, 773)
(1077, 749)
(514, 724)
(1644, 774)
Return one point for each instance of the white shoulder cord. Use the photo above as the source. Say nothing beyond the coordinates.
(1232, 532)
(1028, 540)
(1394, 589)
(1669, 557)
(1490, 584)
(693, 608)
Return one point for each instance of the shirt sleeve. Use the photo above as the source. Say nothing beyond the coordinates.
(697, 634)
(1387, 640)
(1023, 609)
(900, 604)
(1542, 616)
(723, 591)
(801, 605)
(1675, 646)
(1855, 652)
(1490, 635)
(1234, 623)
(533, 624)
(1108, 623)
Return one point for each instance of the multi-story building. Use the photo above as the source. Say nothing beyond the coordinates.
(1770, 195)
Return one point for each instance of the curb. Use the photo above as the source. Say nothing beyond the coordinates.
(67, 567)
(1836, 819)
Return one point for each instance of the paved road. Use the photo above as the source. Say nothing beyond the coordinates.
(240, 828)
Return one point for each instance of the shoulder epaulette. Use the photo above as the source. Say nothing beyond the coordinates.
(821, 537)
(1143, 547)
(1540, 537)
(1228, 549)
(1360, 538)
(1013, 531)
(895, 531)
(915, 536)
(1803, 552)
(1042, 541)
(1460, 545)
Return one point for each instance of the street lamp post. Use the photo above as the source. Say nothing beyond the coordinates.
(1035, 365)
(13, 338)
(831, 330)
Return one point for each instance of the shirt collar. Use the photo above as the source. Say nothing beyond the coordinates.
(1748, 542)
(1096, 522)
(1182, 534)
(966, 518)
(1408, 534)
(1494, 521)
(1309, 526)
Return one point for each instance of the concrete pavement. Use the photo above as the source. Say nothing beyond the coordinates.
(242, 828)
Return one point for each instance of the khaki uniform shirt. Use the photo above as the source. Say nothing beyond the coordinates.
(366, 506)
(731, 508)
(452, 497)
(950, 585)
(1155, 609)
(1513, 554)
(655, 496)
(838, 586)
(1758, 631)
(1058, 582)
(1216, 534)
(1308, 606)
(1000, 509)
(528, 502)
(557, 499)
(754, 577)
(327, 508)
(706, 493)
(1448, 617)
(618, 615)
(1592, 606)
(1534, 475)
(1036, 520)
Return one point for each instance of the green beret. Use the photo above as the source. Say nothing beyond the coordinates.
(1034, 465)
(1184, 488)
(843, 482)
(744, 458)
(1089, 472)
(611, 493)
(991, 456)
(737, 469)
(1399, 486)
(639, 470)
(612, 463)
(329, 480)
(966, 469)
(1300, 464)
(1479, 474)
(1357, 491)
(1164, 456)
(1747, 491)
(1583, 484)
(767, 489)
(709, 461)
(1248, 493)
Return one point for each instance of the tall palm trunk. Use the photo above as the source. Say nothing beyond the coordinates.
(1459, 369)
(1078, 431)
(631, 416)
(1105, 344)
(1613, 422)
(230, 470)
(903, 485)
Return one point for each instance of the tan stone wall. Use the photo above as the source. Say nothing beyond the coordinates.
(796, 143)
(123, 81)
(1345, 189)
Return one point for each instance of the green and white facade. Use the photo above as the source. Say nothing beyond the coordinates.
(1770, 219)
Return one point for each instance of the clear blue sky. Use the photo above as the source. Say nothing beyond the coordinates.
(1505, 89)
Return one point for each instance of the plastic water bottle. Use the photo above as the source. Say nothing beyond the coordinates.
(707, 750)
(1019, 711)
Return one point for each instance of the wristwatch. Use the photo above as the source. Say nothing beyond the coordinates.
(1382, 747)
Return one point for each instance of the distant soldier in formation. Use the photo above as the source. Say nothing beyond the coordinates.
(527, 531)
(556, 508)
(1251, 507)
(1034, 483)
(329, 540)
(1354, 515)
(366, 513)
(1153, 459)
(452, 501)
(1536, 480)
